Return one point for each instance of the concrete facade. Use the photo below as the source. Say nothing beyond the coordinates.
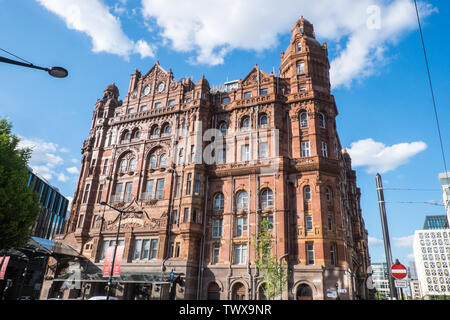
(282, 161)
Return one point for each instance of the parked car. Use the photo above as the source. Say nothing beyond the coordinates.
(103, 298)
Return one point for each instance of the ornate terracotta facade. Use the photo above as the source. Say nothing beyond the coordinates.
(282, 161)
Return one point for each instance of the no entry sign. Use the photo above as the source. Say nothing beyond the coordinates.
(398, 271)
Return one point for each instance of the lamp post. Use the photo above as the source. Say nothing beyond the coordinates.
(121, 212)
(57, 72)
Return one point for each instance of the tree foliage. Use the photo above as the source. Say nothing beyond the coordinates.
(272, 272)
(19, 205)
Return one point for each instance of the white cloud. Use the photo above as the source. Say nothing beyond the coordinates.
(94, 18)
(411, 256)
(73, 160)
(378, 157)
(73, 170)
(213, 28)
(404, 241)
(374, 241)
(45, 157)
(62, 177)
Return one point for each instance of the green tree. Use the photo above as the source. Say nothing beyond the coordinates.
(19, 205)
(273, 274)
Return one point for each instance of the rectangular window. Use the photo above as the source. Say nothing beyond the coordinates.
(192, 153)
(105, 166)
(177, 250)
(148, 195)
(137, 249)
(145, 249)
(241, 226)
(330, 223)
(263, 150)
(217, 228)
(245, 152)
(186, 215)
(171, 250)
(175, 217)
(270, 220)
(300, 67)
(215, 253)
(240, 254)
(100, 192)
(310, 253)
(305, 149)
(86, 193)
(160, 189)
(309, 223)
(157, 105)
(263, 92)
(324, 149)
(225, 100)
(154, 249)
(333, 254)
(247, 95)
(80, 221)
(128, 188)
(188, 184)
(178, 187)
(197, 184)
(171, 102)
(107, 244)
(195, 216)
(118, 193)
(96, 222)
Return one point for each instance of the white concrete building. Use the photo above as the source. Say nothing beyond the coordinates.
(432, 257)
(444, 179)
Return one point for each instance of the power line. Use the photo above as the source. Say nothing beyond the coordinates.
(431, 89)
(416, 202)
(410, 189)
(15, 56)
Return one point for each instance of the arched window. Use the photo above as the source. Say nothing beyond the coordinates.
(181, 157)
(328, 194)
(166, 130)
(266, 198)
(213, 291)
(304, 292)
(123, 165)
(307, 193)
(156, 131)
(322, 122)
(219, 201)
(132, 164)
(153, 160)
(125, 137)
(163, 161)
(245, 124)
(263, 121)
(238, 292)
(223, 128)
(242, 200)
(136, 134)
(303, 120)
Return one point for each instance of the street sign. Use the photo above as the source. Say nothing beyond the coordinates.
(401, 284)
(398, 271)
(342, 290)
(172, 276)
(331, 290)
(332, 295)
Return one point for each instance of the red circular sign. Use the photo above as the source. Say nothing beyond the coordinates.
(398, 271)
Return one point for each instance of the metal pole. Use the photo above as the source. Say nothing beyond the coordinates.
(114, 256)
(387, 243)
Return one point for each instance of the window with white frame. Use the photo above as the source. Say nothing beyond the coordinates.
(303, 120)
(263, 150)
(266, 199)
(219, 202)
(242, 200)
(241, 226)
(217, 228)
(245, 152)
(215, 253)
(322, 122)
(160, 189)
(310, 253)
(109, 243)
(240, 254)
(300, 67)
(309, 223)
(306, 152)
(307, 193)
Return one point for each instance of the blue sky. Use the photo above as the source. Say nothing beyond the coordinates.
(379, 79)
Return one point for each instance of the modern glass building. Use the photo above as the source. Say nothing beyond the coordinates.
(435, 222)
(54, 205)
(380, 278)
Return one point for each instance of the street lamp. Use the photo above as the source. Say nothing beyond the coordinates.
(121, 212)
(57, 72)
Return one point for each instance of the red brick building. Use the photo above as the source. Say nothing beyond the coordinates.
(276, 155)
